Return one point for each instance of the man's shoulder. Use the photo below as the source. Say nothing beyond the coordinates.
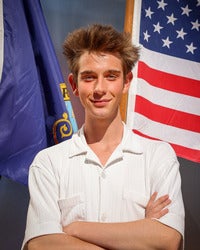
(62, 148)
(147, 144)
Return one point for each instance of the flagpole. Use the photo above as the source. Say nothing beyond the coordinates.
(128, 23)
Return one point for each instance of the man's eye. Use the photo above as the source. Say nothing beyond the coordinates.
(88, 78)
(111, 77)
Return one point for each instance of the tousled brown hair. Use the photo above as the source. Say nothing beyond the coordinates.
(99, 38)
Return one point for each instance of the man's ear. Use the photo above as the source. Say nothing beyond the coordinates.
(73, 84)
(127, 81)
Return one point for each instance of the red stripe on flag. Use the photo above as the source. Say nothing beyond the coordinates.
(192, 154)
(179, 84)
(166, 115)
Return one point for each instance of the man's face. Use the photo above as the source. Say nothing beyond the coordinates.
(101, 84)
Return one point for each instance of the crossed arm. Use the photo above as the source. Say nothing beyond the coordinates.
(142, 234)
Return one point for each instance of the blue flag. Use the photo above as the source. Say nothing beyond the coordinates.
(33, 113)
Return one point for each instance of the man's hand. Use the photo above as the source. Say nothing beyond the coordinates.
(156, 208)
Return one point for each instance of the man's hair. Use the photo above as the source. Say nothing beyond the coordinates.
(99, 38)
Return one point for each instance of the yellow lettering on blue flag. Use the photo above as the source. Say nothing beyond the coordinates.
(64, 91)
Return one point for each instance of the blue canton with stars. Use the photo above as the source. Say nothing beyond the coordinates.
(171, 27)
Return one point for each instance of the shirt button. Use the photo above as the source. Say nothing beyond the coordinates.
(103, 175)
(103, 217)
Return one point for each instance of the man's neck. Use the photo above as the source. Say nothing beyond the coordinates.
(104, 131)
(103, 137)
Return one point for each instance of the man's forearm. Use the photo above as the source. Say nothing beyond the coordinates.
(142, 234)
(59, 242)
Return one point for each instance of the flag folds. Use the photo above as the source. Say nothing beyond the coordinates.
(164, 102)
(33, 114)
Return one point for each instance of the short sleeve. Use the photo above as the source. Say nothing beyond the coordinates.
(43, 212)
(166, 179)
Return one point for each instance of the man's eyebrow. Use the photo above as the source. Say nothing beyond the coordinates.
(86, 72)
(114, 71)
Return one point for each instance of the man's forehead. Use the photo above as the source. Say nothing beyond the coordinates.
(99, 59)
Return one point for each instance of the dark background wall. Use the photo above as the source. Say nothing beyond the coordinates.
(63, 16)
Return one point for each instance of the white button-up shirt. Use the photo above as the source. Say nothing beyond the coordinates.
(68, 183)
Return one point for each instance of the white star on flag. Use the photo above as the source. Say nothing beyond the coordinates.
(186, 10)
(171, 19)
(190, 48)
(195, 25)
(146, 36)
(149, 12)
(161, 4)
(157, 27)
(181, 33)
(166, 42)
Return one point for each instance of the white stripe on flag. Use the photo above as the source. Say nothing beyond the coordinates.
(172, 65)
(1, 38)
(168, 99)
(167, 133)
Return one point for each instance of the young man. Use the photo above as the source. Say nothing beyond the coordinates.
(98, 190)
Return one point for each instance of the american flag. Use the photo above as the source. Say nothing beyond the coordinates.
(164, 101)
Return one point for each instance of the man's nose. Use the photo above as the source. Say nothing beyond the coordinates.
(100, 85)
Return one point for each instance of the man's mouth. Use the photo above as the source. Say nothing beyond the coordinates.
(101, 102)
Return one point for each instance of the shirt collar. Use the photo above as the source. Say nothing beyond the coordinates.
(130, 143)
(79, 145)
